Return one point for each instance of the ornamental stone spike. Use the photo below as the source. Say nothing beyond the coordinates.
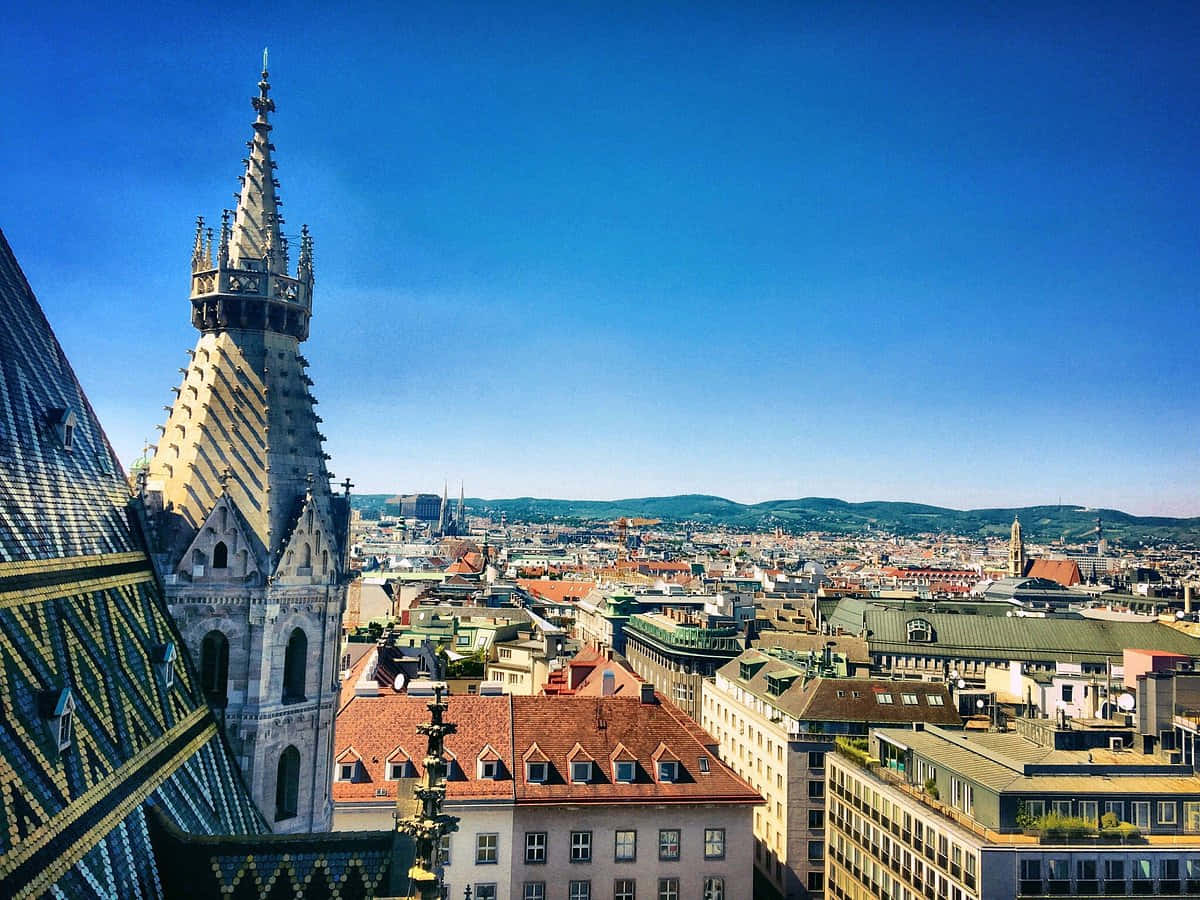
(256, 226)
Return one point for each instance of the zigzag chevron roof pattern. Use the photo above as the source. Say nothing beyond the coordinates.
(80, 609)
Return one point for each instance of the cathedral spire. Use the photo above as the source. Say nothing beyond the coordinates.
(1017, 561)
(256, 233)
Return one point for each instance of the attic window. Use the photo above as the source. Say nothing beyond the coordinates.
(488, 768)
(398, 769)
(581, 772)
(346, 771)
(536, 772)
(703, 765)
(909, 699)
(164, 663)
(63, 422)
(668, 771)
(58, 707)
(933, 700)
(624, 770)
(884, 698)
(919, 631)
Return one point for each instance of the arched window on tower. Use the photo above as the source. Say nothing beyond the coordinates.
(308, 521)
(294, 661)
(287, 785)
(220, 556)
(307, 564)
(214, 668)
(324, 562)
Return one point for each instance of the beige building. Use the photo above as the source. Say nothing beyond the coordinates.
(587, 798)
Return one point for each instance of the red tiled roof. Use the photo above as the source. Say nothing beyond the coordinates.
(557, 591)
(1064, 571)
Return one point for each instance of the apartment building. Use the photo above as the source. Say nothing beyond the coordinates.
(1054, 808)
(776, 715)
(586, 798)
(676, 650)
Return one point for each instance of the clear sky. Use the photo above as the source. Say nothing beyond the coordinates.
(946, 254)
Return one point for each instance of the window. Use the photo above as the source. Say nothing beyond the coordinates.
(1031, 870)
(1168, 867)
(1191, 815)
(816, 882)
(1068, 693)
(287, 784)
(485, 891)
(535, 846)
(816, 790)
(1114, 869)
(714, 843)
(934, 700)
(581, 772)
(816, 819)
(909, 699)
(1058, 869)
(581, 846)
(624, 770)
(295, 661)
(816, 850)
(214, 667)
(1061, 807)
(668, 889)
(703, 765)
(816, 760)
(1166, 812)
(1090, 810)
(220, 556)
(1036, 808)
(536, 772)
(625, 846)
(1085, 869)
(668, 771)
(668, 844)
(535, 890)
(397, 769)
(624, 889)
(579, 890)
(444, 850)
(1141, 813)
(346, 771)
(883, 698)
(486, 848)
(487, 768)
(714, 888)
(1116, 807)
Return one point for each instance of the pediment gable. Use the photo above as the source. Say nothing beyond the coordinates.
(308, 555)
(221, 550)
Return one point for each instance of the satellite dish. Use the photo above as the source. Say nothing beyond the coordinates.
(1126, 702)
(400, 682)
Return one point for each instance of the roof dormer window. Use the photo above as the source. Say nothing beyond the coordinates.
(581, 771)
(487, 768)
(668, 771)
(164, 663)
(624, 770)
(63, 421)
(919, 631)
(536, 772)
(58, 707)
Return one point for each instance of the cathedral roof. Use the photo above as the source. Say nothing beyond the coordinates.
(84, 634)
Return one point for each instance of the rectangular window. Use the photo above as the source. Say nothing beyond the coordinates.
(486, 848)
(1114, 869)
(1166, 812)
(667, 771)
(396, 770)
(909, 699)
(1061, 807)
(1031, 870)
(1191, 815)
(816, 883)
(625, 770)
(1085, 869)
(668, 844)
(1116, 807)
(934, 699)
(624, 889)
(714, 888)
(579, 890)
(535, 847)
(1168, 868)
(1089, 810)
(444, 851)
(816, 819)
(816, 790)
(816, 760)
(581, 846)
(625, 846)
(1068, 693)
(346, 772)
(1141, 813)
(714, 843)
(581, 772)
(535, 772)
(668, 889)
(485, 891)
(883, 698)
(535, 890)
(816, 850)
(1036, 808)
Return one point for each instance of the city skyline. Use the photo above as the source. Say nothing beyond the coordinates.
(937, 259)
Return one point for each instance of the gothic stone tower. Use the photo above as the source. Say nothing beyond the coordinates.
(245, 530)
(1016, 551)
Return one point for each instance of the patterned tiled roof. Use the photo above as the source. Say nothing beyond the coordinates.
(80, 611)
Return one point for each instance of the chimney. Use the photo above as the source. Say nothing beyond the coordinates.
(648, 693)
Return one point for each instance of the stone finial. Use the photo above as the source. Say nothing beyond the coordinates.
(198, 244)
(223, 247)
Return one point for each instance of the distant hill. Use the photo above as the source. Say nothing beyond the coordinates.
(1072, 523)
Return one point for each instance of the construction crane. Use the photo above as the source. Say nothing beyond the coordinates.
(622, 525)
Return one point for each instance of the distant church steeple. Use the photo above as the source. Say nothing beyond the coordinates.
(1016, 551)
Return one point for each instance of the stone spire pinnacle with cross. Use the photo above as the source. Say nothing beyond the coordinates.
(256, 228)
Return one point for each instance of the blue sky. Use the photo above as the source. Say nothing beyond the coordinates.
(573, 250)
